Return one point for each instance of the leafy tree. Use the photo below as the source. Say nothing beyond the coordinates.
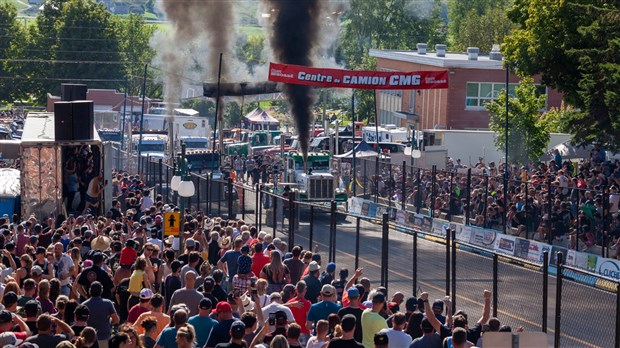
(575, 46)
(11, 45)
(389, 24)
(483, 30)
(249, 49)
(86, 34)
(527, 135)
(464, 19)
(134, 35)
(232, 115)
(554, 120)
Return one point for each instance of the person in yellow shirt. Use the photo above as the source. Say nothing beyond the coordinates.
(372, 321)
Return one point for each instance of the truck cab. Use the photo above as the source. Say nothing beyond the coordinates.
(153, 145)
(315, 182)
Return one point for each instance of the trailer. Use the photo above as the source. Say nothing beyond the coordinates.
(44, 175)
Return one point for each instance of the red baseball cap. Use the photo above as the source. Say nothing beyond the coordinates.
(222, 307)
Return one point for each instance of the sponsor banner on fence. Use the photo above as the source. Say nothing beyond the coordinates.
(505, 244)
(608, 268)
(308, 76)
(483, 238)
(490, 239)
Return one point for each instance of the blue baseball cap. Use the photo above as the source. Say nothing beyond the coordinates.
(353, 292)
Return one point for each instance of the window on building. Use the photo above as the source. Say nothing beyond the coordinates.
(390, 101)
(480, 93)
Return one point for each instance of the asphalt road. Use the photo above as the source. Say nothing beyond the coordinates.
(587, 317)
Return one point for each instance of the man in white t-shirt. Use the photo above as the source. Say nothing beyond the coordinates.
(63, 265)
(396, 337)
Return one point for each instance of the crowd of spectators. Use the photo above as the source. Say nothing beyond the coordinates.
(116, 281)
(574, 204)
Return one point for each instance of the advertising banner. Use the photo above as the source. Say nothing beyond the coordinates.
(463, 234)
(505, 244)
(338, 78)
(482, 237)
(608, 268)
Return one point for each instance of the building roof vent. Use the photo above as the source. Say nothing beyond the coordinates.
(421, 48)
(441, 50)
(472, 53)
(495, 53)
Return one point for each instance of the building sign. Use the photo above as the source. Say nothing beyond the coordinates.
(303, 75)
(190, 125)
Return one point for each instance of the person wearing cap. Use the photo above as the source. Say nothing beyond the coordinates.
(353, 308)
(95, 273)
(45, 337)
(42, 262)
(203, 322)
(276, 305)
(188, 295)
(157, 307)
(429, 339)
(438, 332)
(322, 310)
(221, 332)
(243, 279)
(144, 305)
(396, 335)
(237, 332)
(81, 315)
(102, 314)
(372, 321)
(313, 284)
(32, 309)
(329, 274)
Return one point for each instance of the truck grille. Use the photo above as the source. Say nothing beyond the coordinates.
(321, 188)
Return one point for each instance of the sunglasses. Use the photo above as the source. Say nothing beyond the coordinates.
(150, 249)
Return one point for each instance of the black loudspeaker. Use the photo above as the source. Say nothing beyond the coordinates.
(83, 118)
(71, 92)
(63, 121)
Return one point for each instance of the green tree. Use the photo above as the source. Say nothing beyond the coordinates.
(87, 41)
(13, 36)
(483, 30)
(232, 115)
(527, 135)
(554, 120)
(249, 50)
(134, 35)
(575, 46)
(463, 17)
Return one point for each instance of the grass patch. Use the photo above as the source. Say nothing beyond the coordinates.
(251, 30)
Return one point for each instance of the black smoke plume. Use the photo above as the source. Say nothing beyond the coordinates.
(294, 34)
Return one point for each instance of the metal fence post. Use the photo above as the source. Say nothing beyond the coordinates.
(377, 178)
(486, 199)
(418, 195)
(545, 300)
(259, 214)
(275, 214)
(403, 187)
(332, 233)
(448, 254)
(384, 251)
(527, 223)
(208, 193)
(311, 232)
(357, 242)
(242, 202)
(618, 315)
(495, 285)
(433, 180)
(291, 220)
(220, 186)
(231, 213)
(414, 265)
(161, 168)
(167, 200)
(468, 197)
(558, 301)
(453, 293)
(451, 197)
(549, 205)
